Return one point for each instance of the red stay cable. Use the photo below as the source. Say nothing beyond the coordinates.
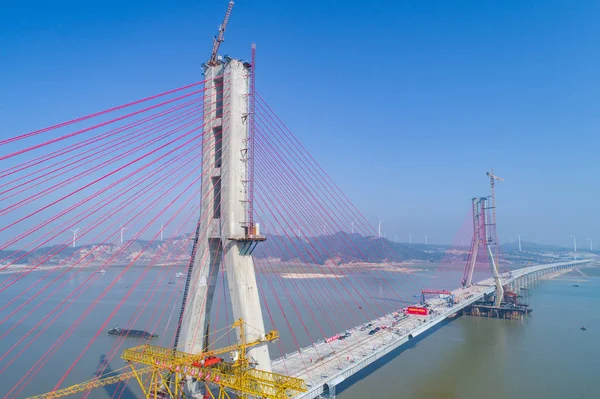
(36, 132)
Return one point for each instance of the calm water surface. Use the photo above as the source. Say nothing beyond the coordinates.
(547, 355)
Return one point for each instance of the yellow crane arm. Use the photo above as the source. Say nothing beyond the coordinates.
(91, 384)
(149, 354)
(170, 368)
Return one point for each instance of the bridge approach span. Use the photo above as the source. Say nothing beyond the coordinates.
(324, 365)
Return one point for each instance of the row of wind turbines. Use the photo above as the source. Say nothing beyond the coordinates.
(380, 222)
(591, 241)
(123, 228)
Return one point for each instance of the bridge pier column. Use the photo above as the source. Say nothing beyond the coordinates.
(330, 387)
(330, 394)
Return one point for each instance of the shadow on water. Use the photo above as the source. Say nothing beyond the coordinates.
(117, 390)
(411, 344)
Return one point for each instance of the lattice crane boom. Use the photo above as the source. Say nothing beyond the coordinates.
(492, 176)
(220, 36)
(168, 369)
(91, 384)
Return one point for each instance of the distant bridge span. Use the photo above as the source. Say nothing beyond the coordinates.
(331, 363)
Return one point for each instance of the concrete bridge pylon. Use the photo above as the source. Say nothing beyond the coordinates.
(225, 237)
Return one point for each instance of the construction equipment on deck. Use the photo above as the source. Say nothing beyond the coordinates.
(448, 296)
(163, 372)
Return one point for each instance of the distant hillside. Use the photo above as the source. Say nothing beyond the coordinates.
(342, 247)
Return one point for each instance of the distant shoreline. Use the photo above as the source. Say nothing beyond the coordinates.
(290, 269)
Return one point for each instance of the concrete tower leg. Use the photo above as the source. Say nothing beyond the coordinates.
(240, 266)
(207, 253)
(223, 215)
(474, 246)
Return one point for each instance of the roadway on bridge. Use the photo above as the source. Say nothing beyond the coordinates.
(332, 362)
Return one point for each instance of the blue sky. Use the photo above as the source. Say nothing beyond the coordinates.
(405, 103)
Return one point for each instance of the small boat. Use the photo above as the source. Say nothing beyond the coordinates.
(101, 271)
(575, 285)
(131, 333)
(179, 275)
(583, 328)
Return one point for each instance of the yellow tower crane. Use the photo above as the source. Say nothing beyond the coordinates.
(163, 372)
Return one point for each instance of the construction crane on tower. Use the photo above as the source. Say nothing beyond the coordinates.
(493, 236)
(217, 40)
(163, 372)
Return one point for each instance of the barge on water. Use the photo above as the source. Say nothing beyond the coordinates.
(131, 333)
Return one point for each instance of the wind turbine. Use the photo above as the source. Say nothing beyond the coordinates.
(395, 238)
(425, 239)
(122, 230)
(75, 236)
(162, 230)
(574, 242)
(519, 236)
(410, 238)
(379, 230)
(591, 244)
(352, 227)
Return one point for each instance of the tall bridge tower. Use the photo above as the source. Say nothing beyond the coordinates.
(226, 235)
(483, 237)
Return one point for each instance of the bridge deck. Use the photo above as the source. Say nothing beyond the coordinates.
(329, 363)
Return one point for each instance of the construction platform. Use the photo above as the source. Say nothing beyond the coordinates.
(511, 312)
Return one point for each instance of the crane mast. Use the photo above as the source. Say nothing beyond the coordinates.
(492, 237)
(220, 36)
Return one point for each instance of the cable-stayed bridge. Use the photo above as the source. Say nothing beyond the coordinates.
(195, 215)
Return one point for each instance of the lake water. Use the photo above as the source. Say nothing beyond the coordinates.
(547, 355)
